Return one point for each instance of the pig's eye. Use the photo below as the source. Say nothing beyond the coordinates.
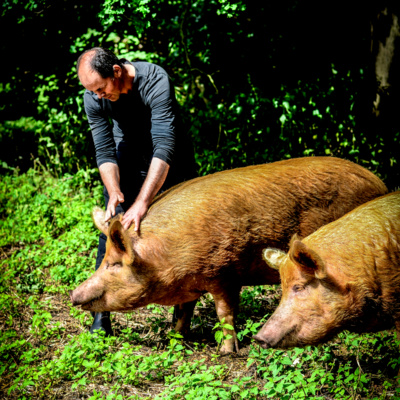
(116, 265)
(298, 288)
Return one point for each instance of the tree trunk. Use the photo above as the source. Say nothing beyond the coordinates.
(380, 122)
(385, 31)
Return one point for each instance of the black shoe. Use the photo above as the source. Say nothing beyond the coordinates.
(176, 314)
(102, 322)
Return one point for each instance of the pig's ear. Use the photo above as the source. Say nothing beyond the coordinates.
(307, 260)
(98, 216)
(273, 257)
(121, 241)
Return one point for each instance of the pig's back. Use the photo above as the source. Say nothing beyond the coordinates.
(273, 191)
(374, 218)
(362, 248)
(298, 175)
(262, 204)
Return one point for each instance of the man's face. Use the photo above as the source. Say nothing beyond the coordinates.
(108, 88)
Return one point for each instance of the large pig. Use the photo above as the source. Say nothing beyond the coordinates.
(207, 235)
(344, 276)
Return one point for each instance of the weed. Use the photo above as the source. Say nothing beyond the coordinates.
(220, 336)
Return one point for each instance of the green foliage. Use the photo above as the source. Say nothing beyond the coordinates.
(88, 358)
(113, 11)
(242, 101)
(196, 381)
(35, 210)
(219, 334)
(231, 8)
(36, 206)
(314, 372)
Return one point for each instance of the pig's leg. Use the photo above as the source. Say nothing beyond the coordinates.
(183, 314)
(397, 326)
(226, 304)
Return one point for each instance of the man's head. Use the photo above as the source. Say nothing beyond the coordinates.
(101, 72)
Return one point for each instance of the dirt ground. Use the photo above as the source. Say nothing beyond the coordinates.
(151, 324)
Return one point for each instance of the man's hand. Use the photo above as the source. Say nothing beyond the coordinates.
(134, 214)
(158, 171)
(110, 175)
(115, 199)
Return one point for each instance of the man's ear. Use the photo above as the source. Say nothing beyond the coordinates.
(307, 260)
(117, 71)
(121, 241)
(98, 216)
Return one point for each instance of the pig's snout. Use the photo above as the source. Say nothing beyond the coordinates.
(277, 333)
(86, 297)
(71, 297)
(75, 300)
(261, 341)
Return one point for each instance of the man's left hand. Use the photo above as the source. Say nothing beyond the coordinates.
(134, 215)
(158, 171)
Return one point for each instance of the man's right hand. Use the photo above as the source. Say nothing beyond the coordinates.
(115, 199)
(110, 175)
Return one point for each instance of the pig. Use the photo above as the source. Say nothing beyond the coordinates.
(344, 276)
(207, 235)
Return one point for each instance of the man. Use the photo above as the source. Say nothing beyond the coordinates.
(139, 143)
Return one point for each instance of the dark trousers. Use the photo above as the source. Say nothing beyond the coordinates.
(129, 197)
(131, 181)
(101, 249)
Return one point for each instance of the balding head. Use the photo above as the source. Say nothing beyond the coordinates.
(98, 60)
(102, 73)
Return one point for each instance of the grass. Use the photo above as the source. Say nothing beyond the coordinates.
(48, 246)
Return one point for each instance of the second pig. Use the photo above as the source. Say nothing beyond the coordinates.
(344, 276)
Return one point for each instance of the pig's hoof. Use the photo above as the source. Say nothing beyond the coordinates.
(226, 350)
(102, 322)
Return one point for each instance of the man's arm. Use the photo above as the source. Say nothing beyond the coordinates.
(156, 176)
(109, 173)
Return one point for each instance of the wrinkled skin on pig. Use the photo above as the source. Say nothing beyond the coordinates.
(345, 276)
(207, 235)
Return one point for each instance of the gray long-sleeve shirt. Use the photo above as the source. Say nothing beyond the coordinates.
(143, 123)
